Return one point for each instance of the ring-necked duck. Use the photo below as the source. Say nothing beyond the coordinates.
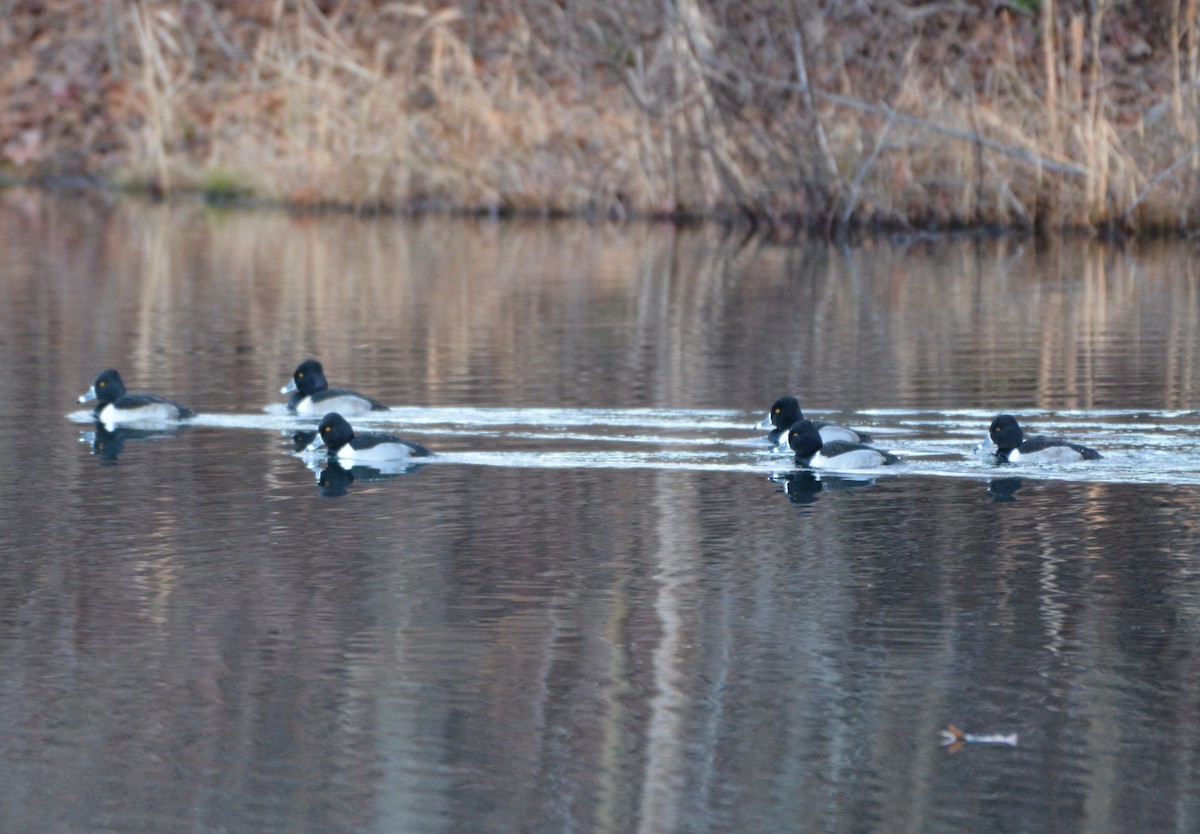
(811, 450)
(1013, 446)
(785, 412)
(311, 393)
(370, 449)
(116, 406)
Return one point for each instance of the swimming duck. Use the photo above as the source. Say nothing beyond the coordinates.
(812, 450)
(785, 412)
(114, 405)
(311, 393)
(371, 448)
(1012, 445)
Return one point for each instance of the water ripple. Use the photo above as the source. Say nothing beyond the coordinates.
(1139, 446)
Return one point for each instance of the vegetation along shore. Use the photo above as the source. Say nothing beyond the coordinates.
(816, 114)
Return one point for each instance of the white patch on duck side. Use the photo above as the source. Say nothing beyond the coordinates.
(1051, 454)
(832, 433)
(149, 413)
(376, 454)
(345, 405)
(858, 459)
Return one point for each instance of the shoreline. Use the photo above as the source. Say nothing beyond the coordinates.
(966, 118)
(742, 225)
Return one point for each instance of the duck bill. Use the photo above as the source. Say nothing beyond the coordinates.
(88, 396)
(318, 443)
(766, 424)
(289, 388)
(985, 445)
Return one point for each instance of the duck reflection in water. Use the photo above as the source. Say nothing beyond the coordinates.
(804, 486)
(108, 442)
(334, 480)
(302, 439)
(1004, 490)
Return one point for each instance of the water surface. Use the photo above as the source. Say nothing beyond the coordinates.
(606, 605)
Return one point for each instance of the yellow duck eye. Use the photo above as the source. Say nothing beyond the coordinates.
(300, 375)
(776, 410)
(101, 384)
(326, 429)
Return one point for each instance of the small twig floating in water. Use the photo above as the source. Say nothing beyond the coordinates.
(955, 738)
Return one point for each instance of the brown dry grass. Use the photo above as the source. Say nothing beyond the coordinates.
(1049, 114)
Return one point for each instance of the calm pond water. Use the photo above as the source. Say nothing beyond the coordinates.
(606, 605)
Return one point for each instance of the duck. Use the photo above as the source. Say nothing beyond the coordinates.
(813, 450)
(335, 434)
(312, 395)
(1012, 446)
(785, 412)
(115, 405)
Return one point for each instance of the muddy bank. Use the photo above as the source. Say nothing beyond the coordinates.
(817, 115)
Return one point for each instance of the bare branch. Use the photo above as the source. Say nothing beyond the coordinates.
(1158, 178)
(855, 187)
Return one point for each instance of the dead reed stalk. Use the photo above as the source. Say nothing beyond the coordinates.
(816, 114)
(160, 86)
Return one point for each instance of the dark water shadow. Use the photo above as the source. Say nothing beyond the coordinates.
(805, 486)
(334, 480)
(107, 444)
